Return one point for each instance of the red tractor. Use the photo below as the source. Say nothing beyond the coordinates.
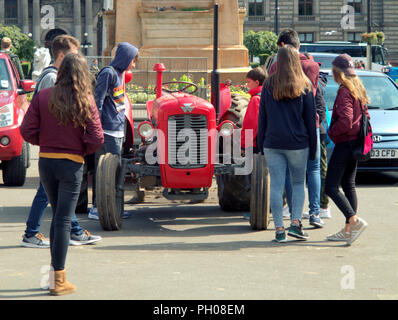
(180, 145)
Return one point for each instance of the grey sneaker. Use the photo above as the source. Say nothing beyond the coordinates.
(316, 221)
(36, 241)
(297, 231)
(280, 236)
(339, 236)
(357, 230)
(84, 238)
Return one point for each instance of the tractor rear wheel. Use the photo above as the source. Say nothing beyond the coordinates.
(232, 193)
(260, 194)
(110, 199)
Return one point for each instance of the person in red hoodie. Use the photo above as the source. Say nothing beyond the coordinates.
(255, 79)
(343, 131)
(64, 121)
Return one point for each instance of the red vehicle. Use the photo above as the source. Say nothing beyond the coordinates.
(14, 151)
(179, 146)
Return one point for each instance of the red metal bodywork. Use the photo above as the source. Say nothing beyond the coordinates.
(20, 105)
(128, 112)
(170, 105)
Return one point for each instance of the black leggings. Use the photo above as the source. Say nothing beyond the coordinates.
(61, 180)
(342, 169)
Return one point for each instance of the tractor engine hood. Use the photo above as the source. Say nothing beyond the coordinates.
(180, 103)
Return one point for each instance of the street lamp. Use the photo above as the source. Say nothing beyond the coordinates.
(86, 44)
(276, 17)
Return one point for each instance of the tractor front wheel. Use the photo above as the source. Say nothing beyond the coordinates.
(109, 197)
(260, 194)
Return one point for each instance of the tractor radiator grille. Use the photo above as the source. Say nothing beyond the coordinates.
(187, 141)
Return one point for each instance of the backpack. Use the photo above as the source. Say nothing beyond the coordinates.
(362, 149)
(114, 80)
(45, 72)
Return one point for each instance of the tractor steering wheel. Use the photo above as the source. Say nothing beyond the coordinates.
(188, 84)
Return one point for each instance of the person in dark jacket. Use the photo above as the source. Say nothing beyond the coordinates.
(67, 109)
(287, 135)
(324, 210)
(311, 69)
(343, 131)
(6, 45)
(110, 99)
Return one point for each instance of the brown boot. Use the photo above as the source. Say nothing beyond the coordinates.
(58, 284)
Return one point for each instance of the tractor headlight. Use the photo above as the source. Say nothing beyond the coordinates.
(6, 115)
(226, 128)
(145, 130)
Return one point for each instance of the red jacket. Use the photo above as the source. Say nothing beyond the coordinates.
(40, 127)
(251, 117)
(346, 117)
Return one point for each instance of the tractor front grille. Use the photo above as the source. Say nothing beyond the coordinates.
(187, 141)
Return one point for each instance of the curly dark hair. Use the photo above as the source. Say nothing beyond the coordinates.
(72, 95)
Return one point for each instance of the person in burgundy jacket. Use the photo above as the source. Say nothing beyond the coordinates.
(64, 121)
(343, 131)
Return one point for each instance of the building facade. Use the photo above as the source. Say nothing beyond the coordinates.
(44, 19)
(325, 20)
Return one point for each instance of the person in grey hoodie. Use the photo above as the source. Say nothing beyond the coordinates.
(110, 99)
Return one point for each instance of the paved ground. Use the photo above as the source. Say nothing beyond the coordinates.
(178, 251)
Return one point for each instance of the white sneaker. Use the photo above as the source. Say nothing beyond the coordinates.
(325, 213)
(93, 214)
(285, 212)
(306, 215)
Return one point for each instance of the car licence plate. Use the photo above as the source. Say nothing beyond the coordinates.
(384, 154)
(3, 123)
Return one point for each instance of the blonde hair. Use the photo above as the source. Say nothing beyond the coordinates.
(352, 83)
(289, 80)
(6, 43)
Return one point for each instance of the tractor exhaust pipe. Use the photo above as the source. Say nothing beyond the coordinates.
(215, 74)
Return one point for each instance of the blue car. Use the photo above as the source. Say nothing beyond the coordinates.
(392, 72)
(383, 110)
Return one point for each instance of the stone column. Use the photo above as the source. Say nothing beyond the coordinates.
(25, 16)
(89, 25)
(19, 13)
(77, 19)
(36, 20)
(2, 10)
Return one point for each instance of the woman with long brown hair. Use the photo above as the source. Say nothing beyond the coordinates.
(287, 135)
(64, 122)
(343, 131)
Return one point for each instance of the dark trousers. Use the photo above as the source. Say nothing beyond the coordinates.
(61, 180)
(342, 169)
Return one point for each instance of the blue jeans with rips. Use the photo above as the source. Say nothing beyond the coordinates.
(279, 160)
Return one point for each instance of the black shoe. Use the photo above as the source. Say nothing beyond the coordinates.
(280, 236)
(297, 231)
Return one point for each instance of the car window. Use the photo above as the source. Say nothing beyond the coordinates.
(383, 94)
(326, 61)
(5, 80)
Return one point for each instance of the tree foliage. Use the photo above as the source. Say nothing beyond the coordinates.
(260, 43)
(22, 45)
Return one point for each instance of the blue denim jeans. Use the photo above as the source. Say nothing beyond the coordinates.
(314, 181)
(278, 161)
(39, 204)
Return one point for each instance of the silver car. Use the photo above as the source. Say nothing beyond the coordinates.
(383, 110)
